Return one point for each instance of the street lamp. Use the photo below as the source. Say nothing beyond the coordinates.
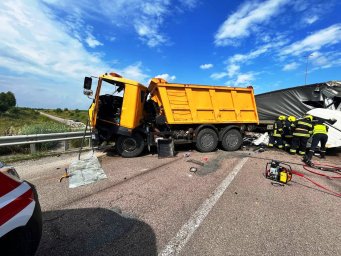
(306, 68)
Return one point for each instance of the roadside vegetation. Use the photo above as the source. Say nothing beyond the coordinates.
(16, 121)
(75, 115)
(25, 121)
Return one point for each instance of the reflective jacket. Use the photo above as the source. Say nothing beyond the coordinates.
(320, 129)
(288, 128)
(277, 129)
(304, 128)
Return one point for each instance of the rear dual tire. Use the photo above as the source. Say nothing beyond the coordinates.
(232, 140)
(207, 140)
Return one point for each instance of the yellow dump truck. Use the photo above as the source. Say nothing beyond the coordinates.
(134, 116)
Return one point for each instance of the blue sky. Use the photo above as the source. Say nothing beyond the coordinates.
(48, 46)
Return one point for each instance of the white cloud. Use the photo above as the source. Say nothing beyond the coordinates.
(241, 23)
(112, 38)
(190, 3)
(276, 43)
(149, 34)
(40, 53)
(134, 72)
(290, 66)
(232, 70)
(217, 76)
(325, 60)
(146, 17)
(167, 77)
(92, 41)
(314, 42)
(206, 66)
(310, 19)
(243, 79)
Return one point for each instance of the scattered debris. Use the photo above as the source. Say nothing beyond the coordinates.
(195, 162)
(259, 150)
(85, 171)
(193, 169)
(65, 175)
(187, 154)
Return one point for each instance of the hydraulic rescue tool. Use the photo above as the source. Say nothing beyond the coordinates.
(282, 173)
(277, 171)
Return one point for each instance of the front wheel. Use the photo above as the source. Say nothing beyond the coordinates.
(207, 140)
(232, 140)
(130, 146)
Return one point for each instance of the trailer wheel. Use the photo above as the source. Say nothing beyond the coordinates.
(130, 146)
(207, 140)
(232, 140)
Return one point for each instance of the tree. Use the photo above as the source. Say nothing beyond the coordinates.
(7, 101)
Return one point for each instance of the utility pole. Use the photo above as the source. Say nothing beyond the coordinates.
(306, 68)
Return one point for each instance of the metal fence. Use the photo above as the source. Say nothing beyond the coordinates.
(33, 139)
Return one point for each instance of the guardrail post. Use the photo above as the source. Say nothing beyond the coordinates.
(33, 148)
(66, 145)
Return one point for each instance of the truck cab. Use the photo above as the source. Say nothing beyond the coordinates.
(116, 113)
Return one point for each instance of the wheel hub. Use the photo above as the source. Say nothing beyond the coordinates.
(129, 144)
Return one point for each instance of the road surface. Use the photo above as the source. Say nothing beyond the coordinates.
(151, 206)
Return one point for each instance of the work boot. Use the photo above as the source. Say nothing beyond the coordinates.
(323, 154)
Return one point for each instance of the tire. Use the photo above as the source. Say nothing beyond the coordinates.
(232, 140)
(207, 140)
(130, 146)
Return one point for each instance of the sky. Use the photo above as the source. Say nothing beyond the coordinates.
(48, 46)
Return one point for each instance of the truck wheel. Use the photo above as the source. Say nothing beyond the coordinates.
(207, 140)
(130, 146)
(232, 140)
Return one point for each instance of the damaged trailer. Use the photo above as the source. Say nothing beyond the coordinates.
(321, 100)
(297, 101)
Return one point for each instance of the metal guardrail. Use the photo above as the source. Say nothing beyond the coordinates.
(40, 138)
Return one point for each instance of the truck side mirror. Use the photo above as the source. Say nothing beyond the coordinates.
(87, 83)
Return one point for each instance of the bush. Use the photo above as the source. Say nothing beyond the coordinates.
(45, 129)
(7, 101)
(58, 110)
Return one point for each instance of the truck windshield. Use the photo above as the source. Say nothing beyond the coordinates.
(112, 89)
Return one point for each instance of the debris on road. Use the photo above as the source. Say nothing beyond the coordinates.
(85, 171)
(65, 175)
(195, 162)
(193, 169)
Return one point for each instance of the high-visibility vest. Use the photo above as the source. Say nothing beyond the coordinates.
(277, 129)
(303, 128)
(320, 129)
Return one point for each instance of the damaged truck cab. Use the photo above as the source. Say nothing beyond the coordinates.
(134, 116)
(118, 116)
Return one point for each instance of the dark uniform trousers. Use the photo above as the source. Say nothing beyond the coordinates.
(299, 143)
(319, 137)
(301, 135)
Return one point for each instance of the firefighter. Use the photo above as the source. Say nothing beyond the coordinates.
(301, 135)
(320, 135)
(288, 129)
(276, 134)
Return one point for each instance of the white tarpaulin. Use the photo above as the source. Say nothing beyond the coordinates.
(85, 171)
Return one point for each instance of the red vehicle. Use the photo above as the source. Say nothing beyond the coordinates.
(20, 214)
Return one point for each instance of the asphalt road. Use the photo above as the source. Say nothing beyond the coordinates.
(151, 206)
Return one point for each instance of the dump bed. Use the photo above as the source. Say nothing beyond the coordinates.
(200, 104)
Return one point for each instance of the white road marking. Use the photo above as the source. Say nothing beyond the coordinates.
(182, 237)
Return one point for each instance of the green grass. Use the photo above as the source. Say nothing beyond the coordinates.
(13, 120)
(24, 121)
(75, 115)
